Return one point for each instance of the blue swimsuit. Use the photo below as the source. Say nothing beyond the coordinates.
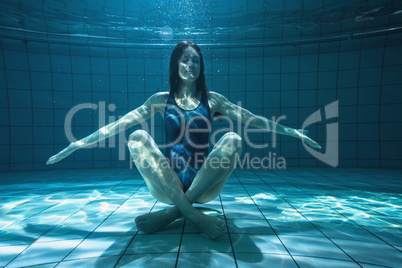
(187, 138)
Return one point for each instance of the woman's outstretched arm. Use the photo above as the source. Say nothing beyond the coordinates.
(131, 119)
(226, 108)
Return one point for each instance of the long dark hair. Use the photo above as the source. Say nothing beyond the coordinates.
(174, 79)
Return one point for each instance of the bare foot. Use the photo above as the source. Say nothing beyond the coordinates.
(211, 227)
(152, 222)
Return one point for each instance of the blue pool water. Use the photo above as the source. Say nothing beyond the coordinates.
(68, 68)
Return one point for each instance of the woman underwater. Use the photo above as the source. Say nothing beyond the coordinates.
(186, 173)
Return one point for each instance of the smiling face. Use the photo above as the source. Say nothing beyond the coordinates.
(189, 65)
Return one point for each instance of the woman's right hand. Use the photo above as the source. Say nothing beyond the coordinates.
(63, 154)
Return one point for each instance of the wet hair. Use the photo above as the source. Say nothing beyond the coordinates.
(174, 78)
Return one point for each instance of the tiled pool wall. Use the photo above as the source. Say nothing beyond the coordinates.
(41, 82)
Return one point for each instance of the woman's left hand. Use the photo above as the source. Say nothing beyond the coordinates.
(302, 134)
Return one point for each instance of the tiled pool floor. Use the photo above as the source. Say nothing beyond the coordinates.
(300, 217)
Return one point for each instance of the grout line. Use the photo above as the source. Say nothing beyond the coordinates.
(380, 103)
(227, 227)
(280, 195)
(276, 234)
(125, 249)
(305, 193)
(181, 240)
(91, 84)
(49, 57)
(103, 221)
(32, 106)
(8, 103)
(280, 175)
(363, 191)
(352, 219)
(357, 104)
(33, 215)
(107, 111)
(87, 204)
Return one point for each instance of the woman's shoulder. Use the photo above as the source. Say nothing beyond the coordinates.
(159, 97)
(215, 96)
(215, 100)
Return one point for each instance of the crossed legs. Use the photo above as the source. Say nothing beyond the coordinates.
(164, 184)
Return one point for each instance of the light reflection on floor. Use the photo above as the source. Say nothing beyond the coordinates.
(300, 217)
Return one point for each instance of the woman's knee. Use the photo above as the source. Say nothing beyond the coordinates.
(233, 141)
(138, 139)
